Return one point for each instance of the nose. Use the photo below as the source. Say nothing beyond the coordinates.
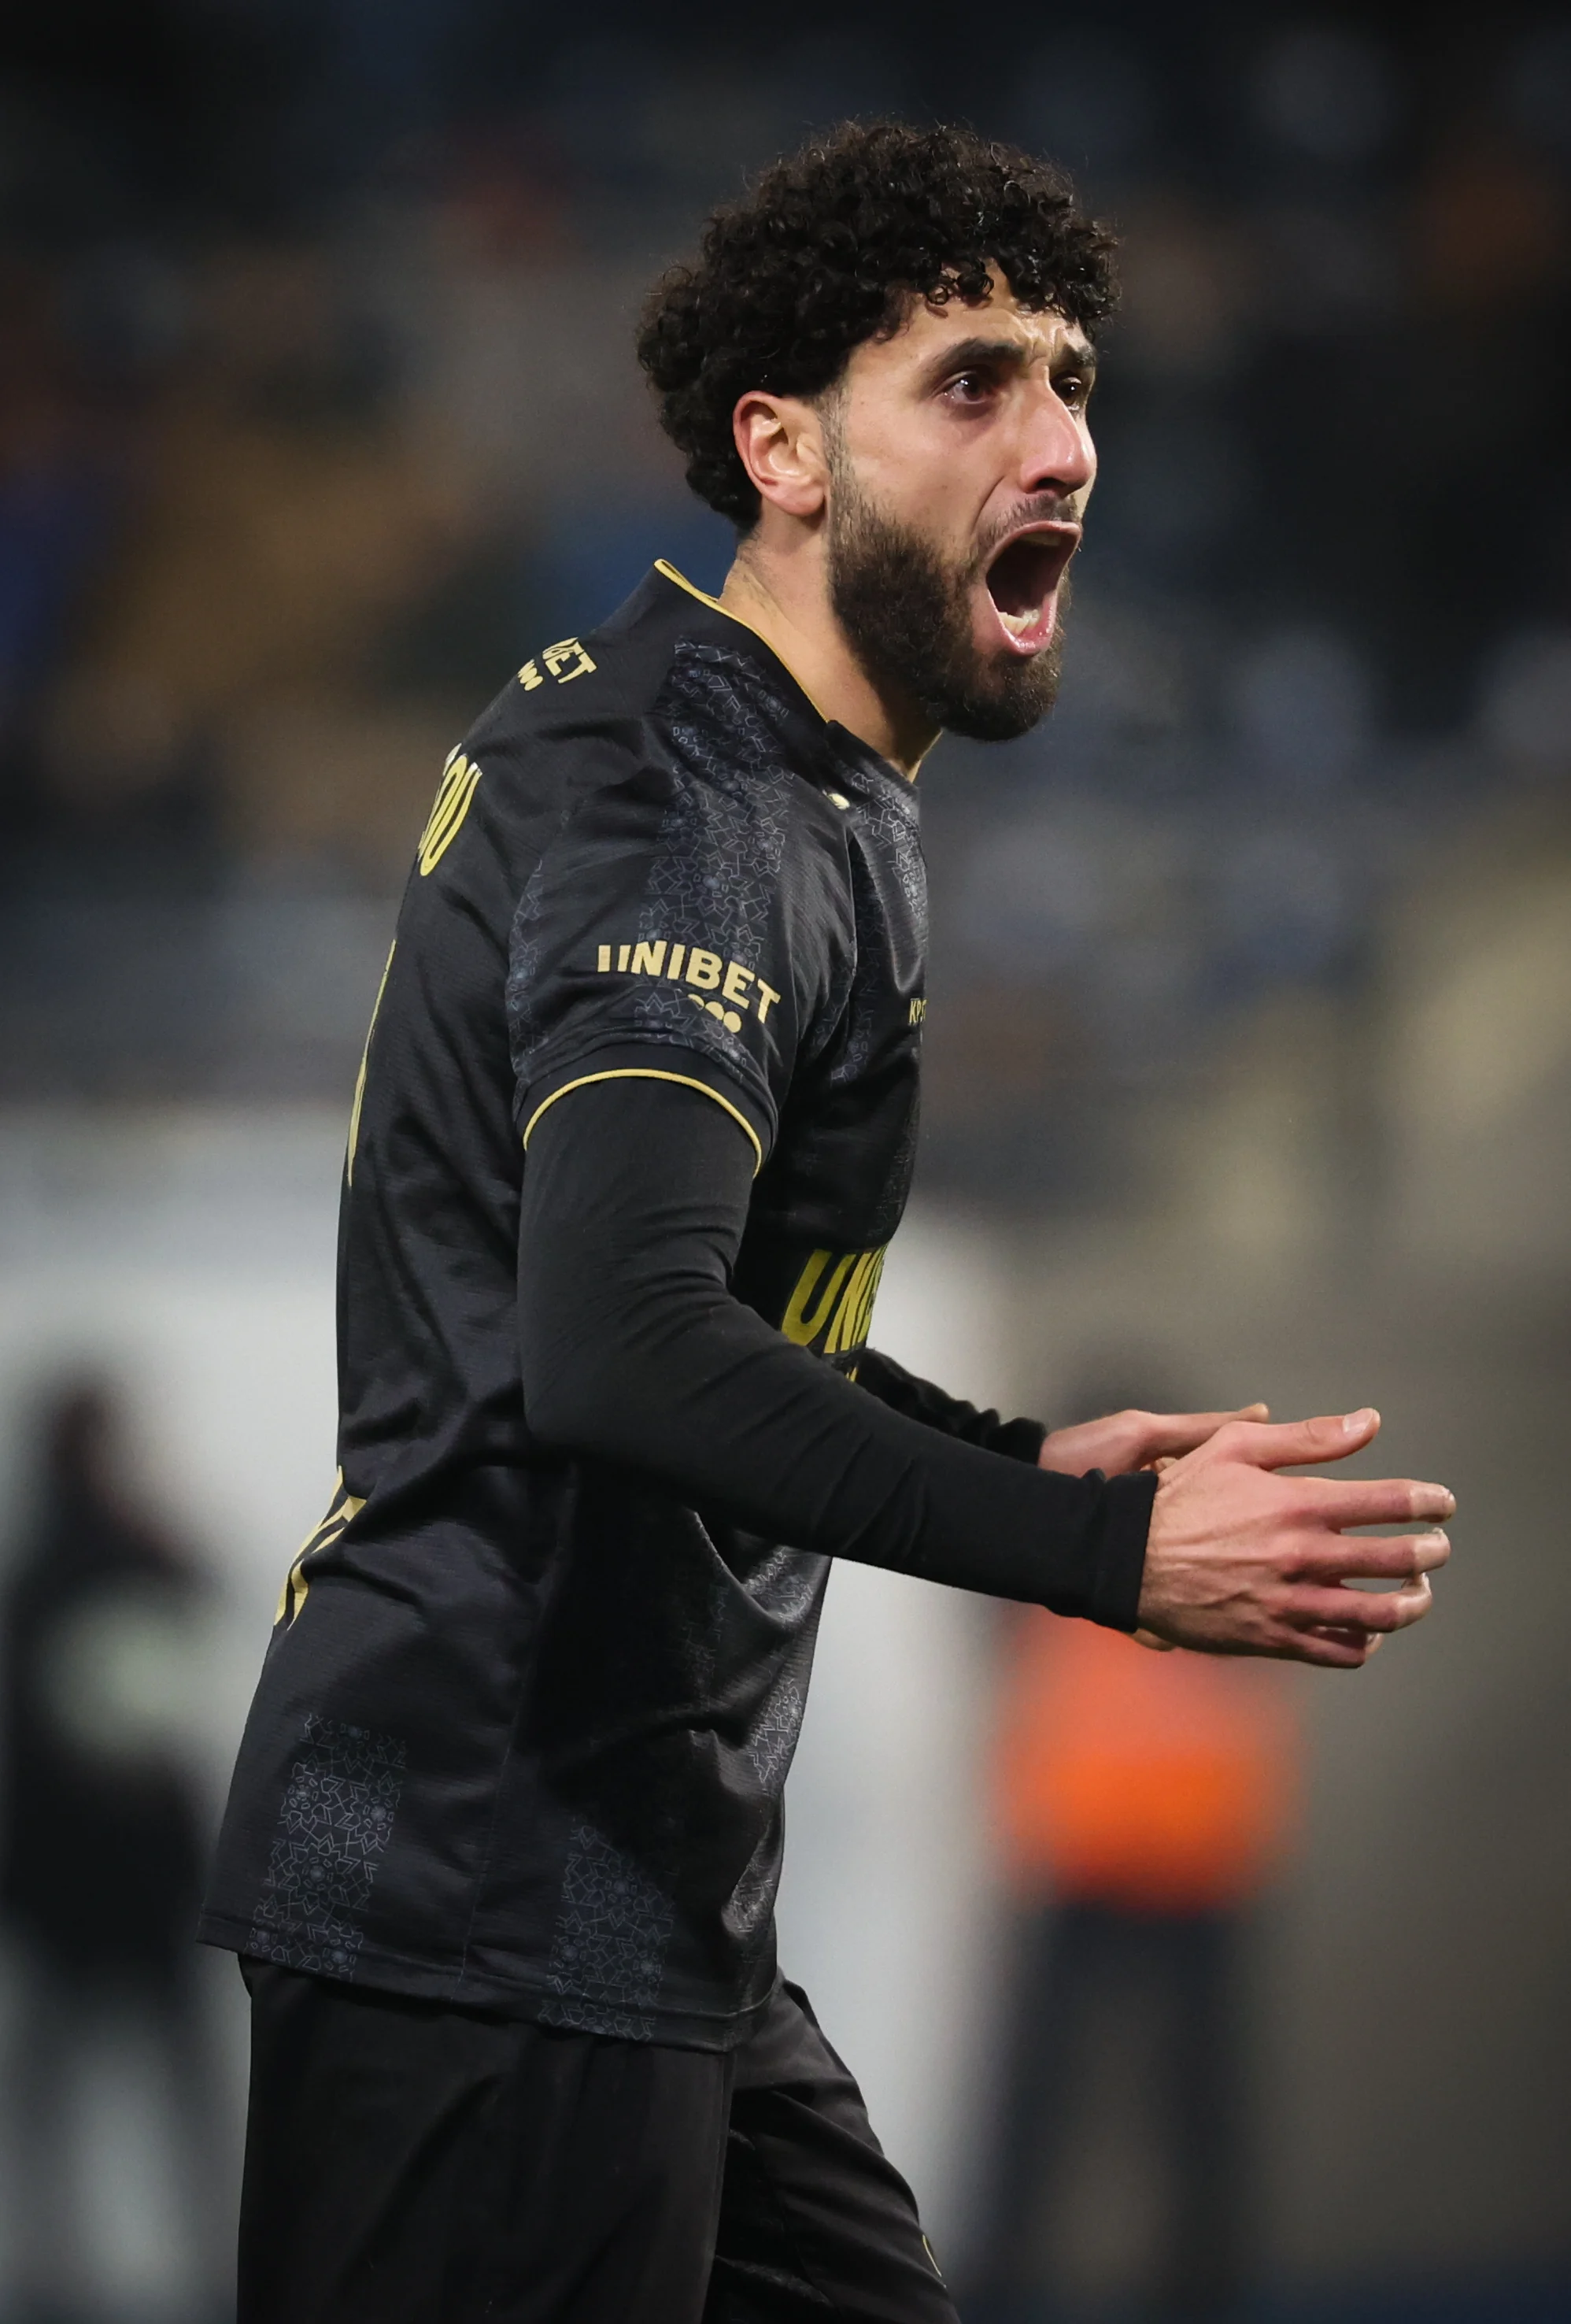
(1058, 455)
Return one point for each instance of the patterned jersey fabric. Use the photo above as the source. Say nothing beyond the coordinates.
(525, 1720)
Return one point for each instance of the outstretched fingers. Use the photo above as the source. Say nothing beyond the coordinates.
(1168, 1435)
(1299, 1443)
(1331, 1649)
(1365, 1558)
(1344, 1501)
(1356, 1610)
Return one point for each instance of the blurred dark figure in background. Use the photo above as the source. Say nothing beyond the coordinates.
(103, 1838)
(1142, 1801)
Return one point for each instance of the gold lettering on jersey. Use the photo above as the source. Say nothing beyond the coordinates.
(832, 1306)
(565, 660)
(918, 1012)
(342, 1511)
(568, 660)
(801, 1325)
(728, 1016)
(853, 1318)
(454, 793)
(742, 988)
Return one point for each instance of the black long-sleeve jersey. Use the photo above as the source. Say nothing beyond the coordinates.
(525, 1720)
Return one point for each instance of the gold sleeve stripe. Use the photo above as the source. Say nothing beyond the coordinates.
(649, 1074)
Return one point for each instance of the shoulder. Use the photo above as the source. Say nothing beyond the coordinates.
(667, 728)
(576, 718)
(575, 704)
(595, 683)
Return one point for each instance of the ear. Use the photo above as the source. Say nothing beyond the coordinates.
(780, 443)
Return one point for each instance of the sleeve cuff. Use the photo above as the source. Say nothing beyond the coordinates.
(1018, 1440)
(1119, 1567)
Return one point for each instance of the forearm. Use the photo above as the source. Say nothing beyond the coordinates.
(634, 1351)
(952, 1415)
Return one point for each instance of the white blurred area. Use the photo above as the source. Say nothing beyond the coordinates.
(1364, 1200)
(186, 1258)
(187, 1254)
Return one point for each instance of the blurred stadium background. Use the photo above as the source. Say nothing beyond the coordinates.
(1249, 1061)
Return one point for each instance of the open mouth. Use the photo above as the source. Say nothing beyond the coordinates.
(1022, 583)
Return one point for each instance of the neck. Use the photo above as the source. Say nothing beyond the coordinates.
(782, 591)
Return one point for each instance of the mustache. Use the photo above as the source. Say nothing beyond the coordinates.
(1037, 508)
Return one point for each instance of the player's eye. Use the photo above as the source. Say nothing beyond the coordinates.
(969, 387)
(1073, 389)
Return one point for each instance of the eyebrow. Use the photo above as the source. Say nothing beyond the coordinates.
(979, 354)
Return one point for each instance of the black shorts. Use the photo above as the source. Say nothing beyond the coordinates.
(410, 2163)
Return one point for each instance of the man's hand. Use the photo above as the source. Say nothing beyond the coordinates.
(1242, 1561)
(1135, 1440)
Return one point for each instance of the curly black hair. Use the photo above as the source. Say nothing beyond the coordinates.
(825, 251)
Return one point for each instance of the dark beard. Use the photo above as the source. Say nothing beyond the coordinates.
(908, 621)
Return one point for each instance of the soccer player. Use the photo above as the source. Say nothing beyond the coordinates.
(634, 1128)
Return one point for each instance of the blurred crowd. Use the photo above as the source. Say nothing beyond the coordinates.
(318, 411)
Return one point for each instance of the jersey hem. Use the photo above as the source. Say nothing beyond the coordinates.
(387, 1972)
